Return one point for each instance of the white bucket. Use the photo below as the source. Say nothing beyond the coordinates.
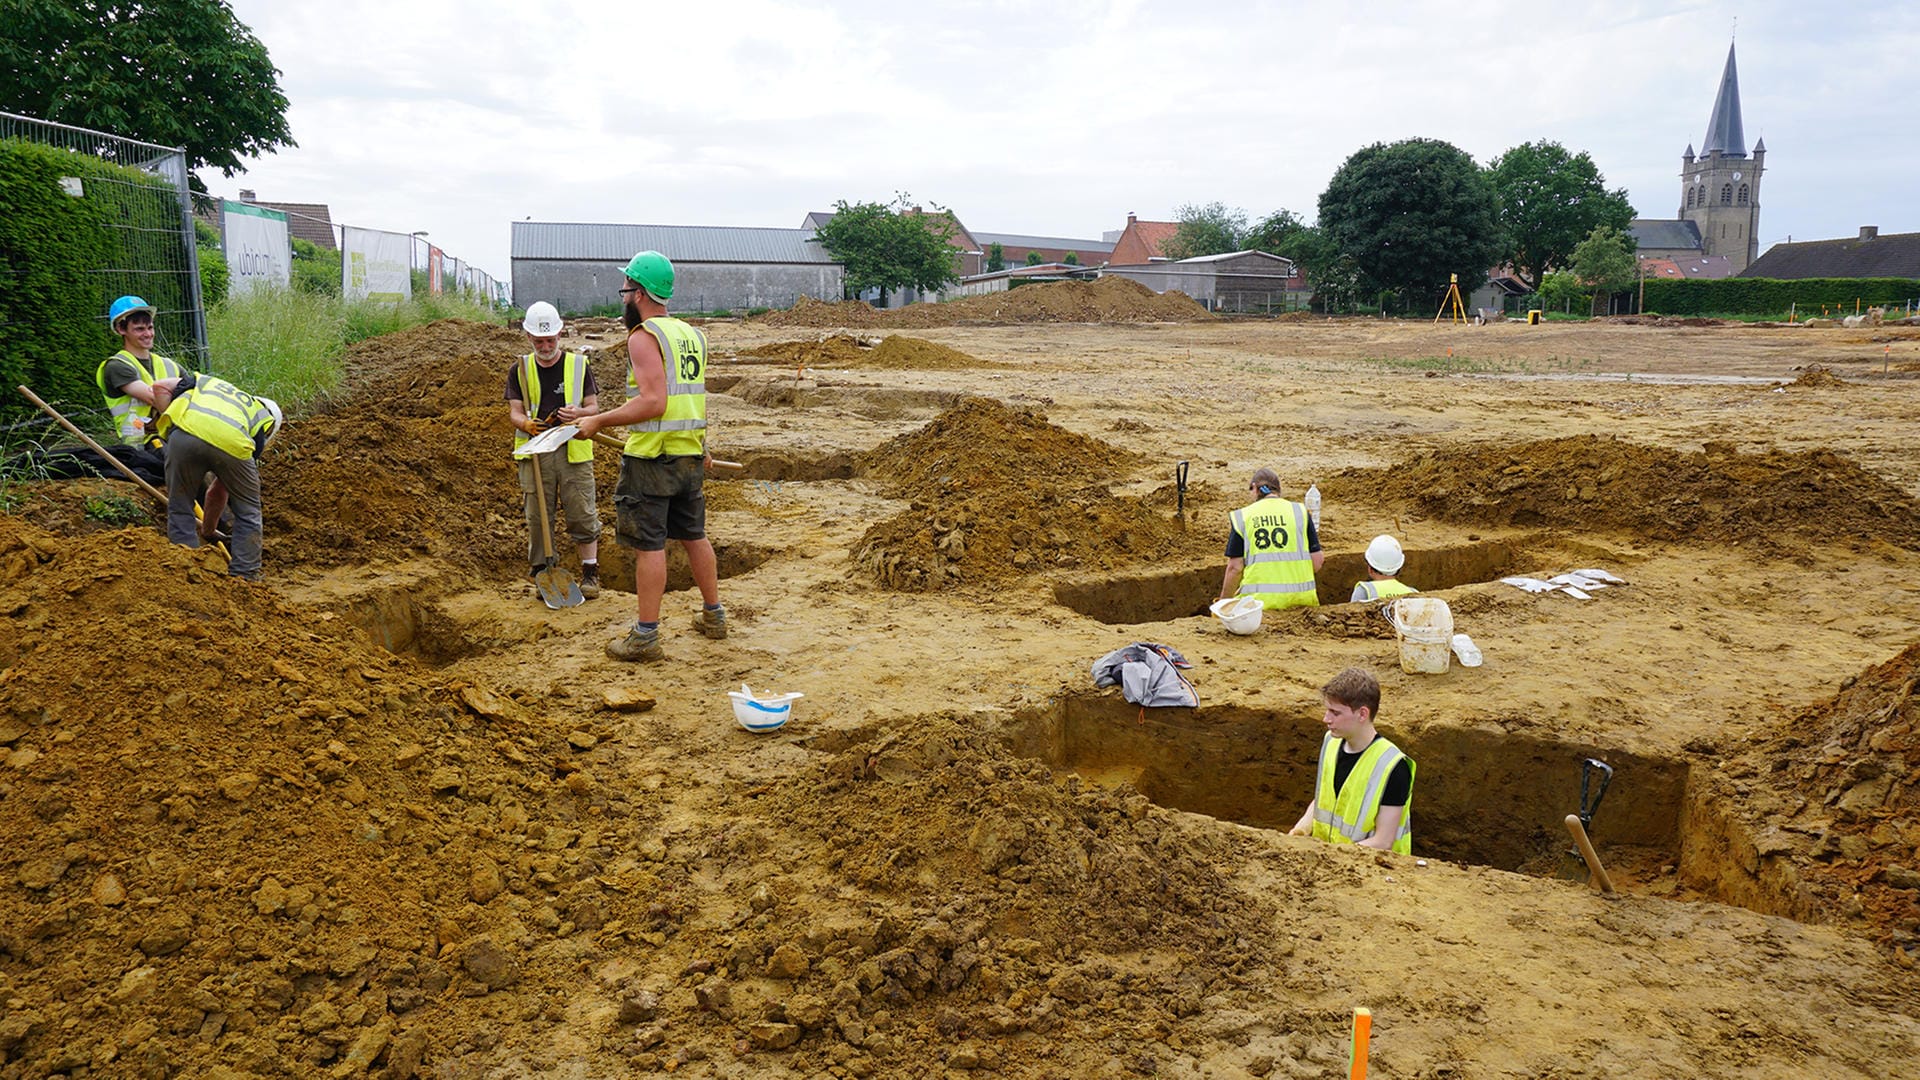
(1240, 614)
(1425, 626)
(761, 713)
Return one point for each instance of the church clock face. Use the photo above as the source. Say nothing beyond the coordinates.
(1736, 176)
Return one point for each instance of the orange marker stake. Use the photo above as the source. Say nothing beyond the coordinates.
(1362, 1032)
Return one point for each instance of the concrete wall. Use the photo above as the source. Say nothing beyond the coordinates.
(575, 285)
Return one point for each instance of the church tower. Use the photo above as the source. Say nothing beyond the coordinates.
(1720, 189)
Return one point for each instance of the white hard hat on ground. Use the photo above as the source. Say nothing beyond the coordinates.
(1384, 554)
(542, 320)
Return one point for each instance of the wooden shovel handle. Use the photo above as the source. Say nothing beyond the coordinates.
(1586, 852)
(605, 439)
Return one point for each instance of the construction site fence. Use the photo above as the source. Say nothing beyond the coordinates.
(154, 256)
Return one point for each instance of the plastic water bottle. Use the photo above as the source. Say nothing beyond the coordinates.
(1312, 502)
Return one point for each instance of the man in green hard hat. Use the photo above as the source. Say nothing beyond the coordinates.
(661, 494)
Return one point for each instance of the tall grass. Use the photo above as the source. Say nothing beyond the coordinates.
(288, 344)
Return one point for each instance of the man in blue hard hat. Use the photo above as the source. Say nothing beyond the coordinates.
(131, 381)
(661, 495)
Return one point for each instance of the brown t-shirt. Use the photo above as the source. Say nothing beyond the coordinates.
(552, 393)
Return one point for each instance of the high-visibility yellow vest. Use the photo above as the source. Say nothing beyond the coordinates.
(573, 379)
(1381, 590)
(219, 413)
(1279, 568)
(682, 429)
(130, 414)
(1347, 816)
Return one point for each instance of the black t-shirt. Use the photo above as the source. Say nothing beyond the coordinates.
(1237, 544)
(553, 393)
(1399, 781)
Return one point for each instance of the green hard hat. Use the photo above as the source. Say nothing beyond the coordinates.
(653, 272)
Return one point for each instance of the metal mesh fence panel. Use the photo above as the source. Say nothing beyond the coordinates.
(156, 259)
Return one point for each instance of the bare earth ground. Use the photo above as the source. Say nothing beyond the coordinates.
(382, 815)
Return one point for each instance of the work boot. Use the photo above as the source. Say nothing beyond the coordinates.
(641, 645)
(590, 580)
(711, 622)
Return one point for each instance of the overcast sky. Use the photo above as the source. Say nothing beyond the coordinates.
(1053, 118)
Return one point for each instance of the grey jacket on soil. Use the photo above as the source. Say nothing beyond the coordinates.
(1147, 674)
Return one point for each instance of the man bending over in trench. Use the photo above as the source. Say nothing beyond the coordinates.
(1363, 793)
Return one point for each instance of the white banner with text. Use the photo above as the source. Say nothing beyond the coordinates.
(254, 241)
(375, 265)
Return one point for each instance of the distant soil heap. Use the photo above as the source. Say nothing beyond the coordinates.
(1603, 484)
(895, 351)
(997, 492)
(1107, 299)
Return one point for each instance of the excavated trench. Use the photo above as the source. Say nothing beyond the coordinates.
(1481, 796)
(1178, 594)
(872, 402)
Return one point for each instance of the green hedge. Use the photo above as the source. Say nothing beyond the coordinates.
(63, 259)
(1768, 296)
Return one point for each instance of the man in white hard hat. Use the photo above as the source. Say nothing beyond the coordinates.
(1273, 550)
(550, 386)
(1384, 560)
(212, 426)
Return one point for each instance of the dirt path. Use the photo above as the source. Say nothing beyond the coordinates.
(382, 815)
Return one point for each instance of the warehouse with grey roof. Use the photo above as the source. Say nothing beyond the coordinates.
(578, 267)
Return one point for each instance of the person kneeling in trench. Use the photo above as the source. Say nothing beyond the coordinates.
(1364, 791)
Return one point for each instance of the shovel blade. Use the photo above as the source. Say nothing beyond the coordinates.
(557, 588)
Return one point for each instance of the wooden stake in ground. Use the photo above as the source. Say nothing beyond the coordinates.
(1586, 851)
(1362, 1033)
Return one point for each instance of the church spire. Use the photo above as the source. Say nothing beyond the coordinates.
(1724, 134)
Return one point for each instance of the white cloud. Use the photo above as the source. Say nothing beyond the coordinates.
(1060, 118)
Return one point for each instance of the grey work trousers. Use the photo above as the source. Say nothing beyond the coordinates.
(189, 459)
(570, 500)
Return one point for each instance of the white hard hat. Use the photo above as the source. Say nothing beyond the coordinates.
(542, 320)
(279, 421)
(1384, 554)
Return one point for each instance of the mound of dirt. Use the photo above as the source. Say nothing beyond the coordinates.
(416, 458)
(1107, 299)
(1853, 761)
(1820, 376)
(998, 492)
(900, 352)
(258, 841)
(834, 350)
(983, 444)
(1604, 484)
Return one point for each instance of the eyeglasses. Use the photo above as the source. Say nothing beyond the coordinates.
(633, 289)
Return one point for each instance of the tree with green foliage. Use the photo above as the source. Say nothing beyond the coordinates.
(1071, 258)
(1561, 289)
(1034, 259)
(315, 269)
(891, 247)
(177, 72)
(1407, 214)
(1604, 262)
(996, 257)
(1283, 233)
(1212, 229)
(1549, 201)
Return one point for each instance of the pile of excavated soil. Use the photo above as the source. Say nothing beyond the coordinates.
(998, 492)
(834, 350)
(1851, 768)
(983, 444)
(1818, 375)
(895, 352)
(1607, 485)
(417, 458)
(1107, 299)
(918, 354)
(252, 839)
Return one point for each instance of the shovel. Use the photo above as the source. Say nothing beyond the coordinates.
(556, 584)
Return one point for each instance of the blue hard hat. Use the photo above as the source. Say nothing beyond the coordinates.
(124, 307)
